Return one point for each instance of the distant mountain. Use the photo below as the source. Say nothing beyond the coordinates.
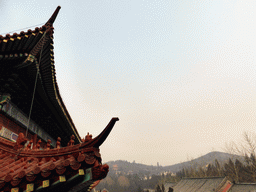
(141, 169)
(125, 176)
(204, 160)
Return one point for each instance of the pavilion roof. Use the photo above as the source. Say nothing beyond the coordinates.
(22, 56)
(26, 60)
(79, 165)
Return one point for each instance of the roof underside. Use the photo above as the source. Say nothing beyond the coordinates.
(21, 57)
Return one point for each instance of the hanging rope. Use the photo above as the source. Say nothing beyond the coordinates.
(33, 97)
(22, 29)
(37, 73)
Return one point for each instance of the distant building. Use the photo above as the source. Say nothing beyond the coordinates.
(130, 172)
(244, 187)
(146, 177)
(207, 184)
(149, 190)
(169, 185)
(104, 190)
(115, 167)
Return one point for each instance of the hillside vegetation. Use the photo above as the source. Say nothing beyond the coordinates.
(133, 177)
(125, 176)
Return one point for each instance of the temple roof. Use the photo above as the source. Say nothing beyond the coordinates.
(205, 184)
(75, 169)
(245, 187)
(79, 165)
(22, 56)
(27, 77)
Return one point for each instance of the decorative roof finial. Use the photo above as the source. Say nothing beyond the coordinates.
(58, 143)
(38, 145)
(48, 145)
(71, 142)
(88, 137)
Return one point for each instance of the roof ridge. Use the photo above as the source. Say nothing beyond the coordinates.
(211, 177)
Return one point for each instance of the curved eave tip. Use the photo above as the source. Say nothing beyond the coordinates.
(54, 15)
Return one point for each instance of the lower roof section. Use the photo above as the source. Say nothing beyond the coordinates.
(71, 168)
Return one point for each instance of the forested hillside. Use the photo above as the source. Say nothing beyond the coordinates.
(126, 177)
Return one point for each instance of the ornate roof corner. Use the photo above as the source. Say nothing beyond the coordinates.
(53, 17)
(97, 141)
(104, 134)
(20, 165)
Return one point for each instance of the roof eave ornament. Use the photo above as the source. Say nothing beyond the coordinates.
(53, 17)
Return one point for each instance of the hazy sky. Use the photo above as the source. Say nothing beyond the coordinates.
(180, 75)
